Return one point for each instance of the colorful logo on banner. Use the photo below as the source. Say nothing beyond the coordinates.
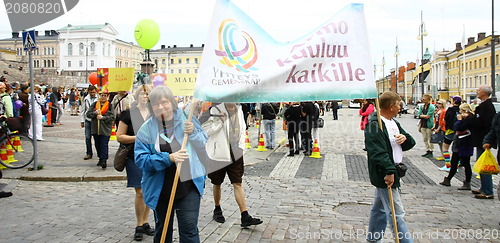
(233, 54)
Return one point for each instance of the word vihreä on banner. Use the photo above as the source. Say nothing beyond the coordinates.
(338, 72)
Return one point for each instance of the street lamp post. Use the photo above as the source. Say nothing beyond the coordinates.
(493, 76)
(396, 54)
(383, 73)
(421, 35)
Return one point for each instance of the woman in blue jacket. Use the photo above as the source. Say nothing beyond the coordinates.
(157, 152)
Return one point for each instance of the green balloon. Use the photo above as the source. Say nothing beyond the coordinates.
(147, 33)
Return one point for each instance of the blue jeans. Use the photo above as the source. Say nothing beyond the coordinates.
(88, 137)
(187, 210)
(101, 145)
(486, 180)
(270, 129)
(380, 214)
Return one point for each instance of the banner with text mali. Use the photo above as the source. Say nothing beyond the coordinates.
(243, 63)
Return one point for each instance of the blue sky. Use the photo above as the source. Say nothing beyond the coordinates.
(185, 22)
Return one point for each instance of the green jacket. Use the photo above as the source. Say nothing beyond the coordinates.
(430, 112)
(378, 146)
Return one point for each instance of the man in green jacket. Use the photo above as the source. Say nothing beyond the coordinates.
(385, 149)
(426, 116)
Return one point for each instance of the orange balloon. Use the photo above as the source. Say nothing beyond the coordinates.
(93, 78)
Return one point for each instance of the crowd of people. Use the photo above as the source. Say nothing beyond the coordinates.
(164, 140)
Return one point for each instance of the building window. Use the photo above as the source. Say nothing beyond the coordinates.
(70, 49)
(180, 70)
(69, 63)
(179, 60)
(196, 70)
(81, 47)
(485, 62)
(171, 61)
(53, 63)
(163, 61)
(92, 48)
(196, 60)
(187, 70)
(171, 71)
(480, 61)
(44, 63)
(187, 60)
(91, 63)
(80, 63)
(109, 49)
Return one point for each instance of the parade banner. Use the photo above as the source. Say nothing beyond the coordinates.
(242, 63)
(181, 84)
(115, 79)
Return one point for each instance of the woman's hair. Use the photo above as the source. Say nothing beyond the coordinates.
(443, 101)
(466, 107)
(137, 91)
(162, 92)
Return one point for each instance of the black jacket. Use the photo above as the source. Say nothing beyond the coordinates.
(493, 137)
(269, 111)
(481, 122)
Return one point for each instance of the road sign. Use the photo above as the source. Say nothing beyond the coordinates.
(29, 40)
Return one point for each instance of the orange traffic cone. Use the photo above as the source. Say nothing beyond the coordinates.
(3, 156)
(261, 146)
(247, 141)
(257, 123)
(315, 152)
(49, 116)
(17, 144)
(10, 153)
(113, 134)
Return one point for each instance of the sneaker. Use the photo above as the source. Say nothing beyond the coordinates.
(476, 192)
(5, 194)
(440, 158)
(444, 168)
(148, 230)
(218, 217)
(249, 221)
(104, 164)
(484, 196)
(87, 157)
(139, 232)
(290, 154)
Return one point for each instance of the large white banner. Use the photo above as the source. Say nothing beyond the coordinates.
(243, 63)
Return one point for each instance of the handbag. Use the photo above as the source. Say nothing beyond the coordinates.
(401, 169)
(44, 110)
(437, 137)
(42, 107)
(121, 156)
